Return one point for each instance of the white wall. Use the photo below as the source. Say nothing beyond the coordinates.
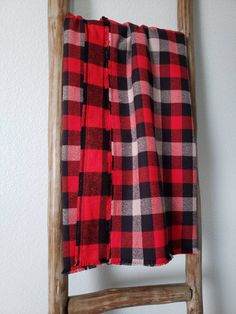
(23, 151)
(23, 125)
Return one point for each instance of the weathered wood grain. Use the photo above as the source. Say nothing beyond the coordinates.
(193, 265)
(57, 285)
(102, 301)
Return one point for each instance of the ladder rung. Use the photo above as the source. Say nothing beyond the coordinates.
(108, 299)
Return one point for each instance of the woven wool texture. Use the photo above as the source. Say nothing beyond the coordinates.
(129, 161)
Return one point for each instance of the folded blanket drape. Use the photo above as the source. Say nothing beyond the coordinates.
(129, 160)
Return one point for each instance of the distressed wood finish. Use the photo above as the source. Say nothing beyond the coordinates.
(193, 264)
(102, 301)
(58, 293)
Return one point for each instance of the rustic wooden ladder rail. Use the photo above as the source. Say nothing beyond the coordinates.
(59, 303)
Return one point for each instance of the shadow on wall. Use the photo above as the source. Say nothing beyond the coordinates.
(84, 6)
(210, 272)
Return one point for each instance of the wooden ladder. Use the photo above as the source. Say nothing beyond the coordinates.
(189, 291)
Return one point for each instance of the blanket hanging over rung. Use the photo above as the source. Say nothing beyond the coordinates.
(129, 160)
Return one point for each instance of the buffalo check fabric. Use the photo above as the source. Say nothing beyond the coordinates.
(129, 159)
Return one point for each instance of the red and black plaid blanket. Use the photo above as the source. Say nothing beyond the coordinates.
(129, 162)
